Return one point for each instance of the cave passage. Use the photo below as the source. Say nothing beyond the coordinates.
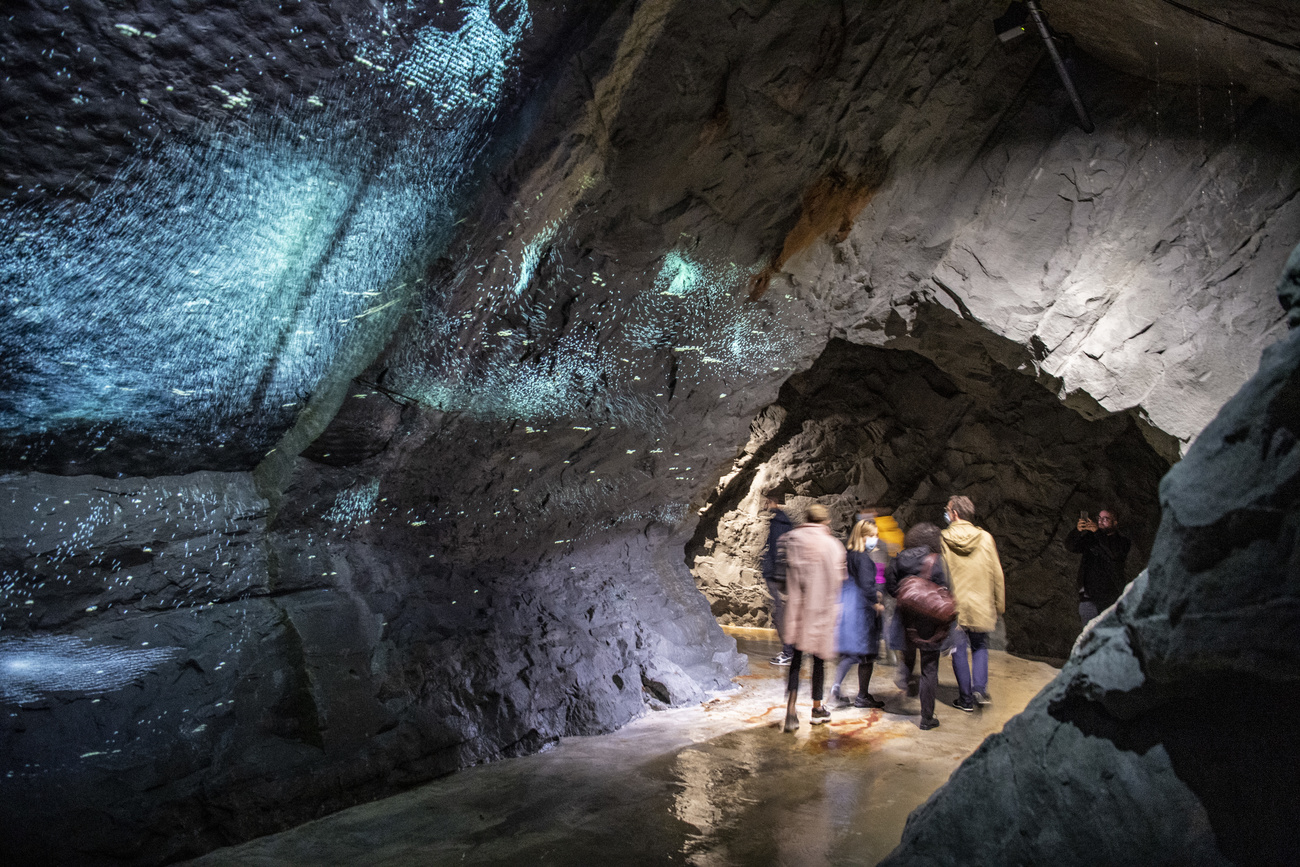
(889, 428)
(387, 389)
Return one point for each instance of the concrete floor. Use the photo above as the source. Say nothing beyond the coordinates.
(716, 784)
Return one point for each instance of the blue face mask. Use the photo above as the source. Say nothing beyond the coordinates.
(871, 543)
(947, 518)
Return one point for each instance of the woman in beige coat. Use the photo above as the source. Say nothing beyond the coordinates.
(814, 565)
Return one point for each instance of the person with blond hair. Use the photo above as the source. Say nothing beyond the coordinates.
(857, 632)
(812, 562)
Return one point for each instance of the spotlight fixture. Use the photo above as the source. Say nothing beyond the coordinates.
(1015, 23)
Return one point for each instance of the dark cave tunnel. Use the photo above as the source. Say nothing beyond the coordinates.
(888, 427)
(387, 391)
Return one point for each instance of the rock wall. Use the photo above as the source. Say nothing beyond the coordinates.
(179, 676)
(1108, 764)
(889, 428)
(1122, 300)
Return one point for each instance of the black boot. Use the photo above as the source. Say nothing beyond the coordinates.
(791, 718)
(865, 699)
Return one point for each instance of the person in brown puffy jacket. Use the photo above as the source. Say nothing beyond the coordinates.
(920, 557)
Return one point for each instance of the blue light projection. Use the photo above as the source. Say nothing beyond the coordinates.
(354, 505)
(695, 307)
(156, 545)
(31, 668)
(216, 285)
(177, 308)
(508, 357)
(465, 69)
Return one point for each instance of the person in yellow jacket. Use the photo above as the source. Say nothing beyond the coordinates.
(979, 590)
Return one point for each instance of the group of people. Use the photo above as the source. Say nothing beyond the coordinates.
(841, 600)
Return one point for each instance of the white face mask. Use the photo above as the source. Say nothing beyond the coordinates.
(871, 542)
(947, 518)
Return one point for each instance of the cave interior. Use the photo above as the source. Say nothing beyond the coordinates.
(390, 389)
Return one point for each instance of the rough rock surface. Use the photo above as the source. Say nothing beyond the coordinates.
(886, 427)
(178, 676)
(1254, 45)
(685, 204)
(1109, 766)
(91, 84)
(1123, 301)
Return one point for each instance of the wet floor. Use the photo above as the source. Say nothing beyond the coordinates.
(715, 784)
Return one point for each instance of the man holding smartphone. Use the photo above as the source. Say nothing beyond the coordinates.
(1101, 568)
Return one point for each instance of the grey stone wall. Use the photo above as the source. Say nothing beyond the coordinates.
(178, 676)
(1108, 764)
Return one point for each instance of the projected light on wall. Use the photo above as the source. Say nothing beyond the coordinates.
(354, 505)
(510, 356)
(158, 545)
(694, 308)
(31, 668)
(208, 294)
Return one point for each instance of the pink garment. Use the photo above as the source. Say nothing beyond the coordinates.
(815, 569)
(880, 573)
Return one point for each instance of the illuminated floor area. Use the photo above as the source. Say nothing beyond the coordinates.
(716, 784)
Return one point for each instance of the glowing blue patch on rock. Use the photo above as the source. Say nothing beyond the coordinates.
(679, 275)
(465, 69)
(217, 285)
(31, 668)
(531, 258)
(692, 308)
(354, 505)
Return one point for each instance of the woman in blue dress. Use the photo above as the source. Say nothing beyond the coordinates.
(857, 632)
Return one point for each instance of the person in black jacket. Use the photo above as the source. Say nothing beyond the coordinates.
(920, 556)
(857, 631)
(1101, 568)
(776, 528)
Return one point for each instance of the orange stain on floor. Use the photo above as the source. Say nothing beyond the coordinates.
(850, 735)
(754, 720)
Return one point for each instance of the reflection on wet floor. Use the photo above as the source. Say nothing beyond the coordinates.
(717, 784)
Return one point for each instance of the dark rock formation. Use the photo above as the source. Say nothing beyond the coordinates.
(1169, 735)
(90, 84)
(213, 680)
(889, 428)
(1254, 45)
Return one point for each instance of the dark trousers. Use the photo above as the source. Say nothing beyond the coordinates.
(978, 642)
(929, 675)
(1087, 611)
(865, 668)
(818, 674)
(778, 612)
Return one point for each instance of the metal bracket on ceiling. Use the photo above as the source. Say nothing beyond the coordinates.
(1015, 23)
